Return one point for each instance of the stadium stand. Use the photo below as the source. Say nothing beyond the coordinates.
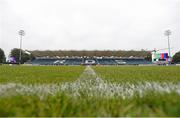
(73, 57)
(136, 61)
(75, 61)
(42, 62)
(107, 61)
(89, 61)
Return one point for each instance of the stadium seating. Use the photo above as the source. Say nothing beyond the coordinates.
(136, 61)
(82, 61)
(42, 62)
(73, 62)
(106, 62)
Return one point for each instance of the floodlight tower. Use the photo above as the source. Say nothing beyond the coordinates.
(168, 33)
(21, 33)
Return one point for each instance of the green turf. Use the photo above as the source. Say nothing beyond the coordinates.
(139, 73)
(39, 74)
(61, 104)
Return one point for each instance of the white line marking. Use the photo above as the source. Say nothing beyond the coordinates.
(89, 84)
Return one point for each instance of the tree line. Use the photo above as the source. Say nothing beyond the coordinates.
(97, 53)
(15, 54)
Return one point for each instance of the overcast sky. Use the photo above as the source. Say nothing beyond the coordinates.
(89, 24)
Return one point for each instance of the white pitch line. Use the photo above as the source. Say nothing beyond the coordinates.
(89, 84)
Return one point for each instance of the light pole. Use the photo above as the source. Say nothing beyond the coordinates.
(21, 33)
(168, 33)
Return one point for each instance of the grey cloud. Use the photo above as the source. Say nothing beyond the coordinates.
(89, 24)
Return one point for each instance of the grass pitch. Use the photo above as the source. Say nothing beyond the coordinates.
(80, 91)
(134, 74)
(39, 74)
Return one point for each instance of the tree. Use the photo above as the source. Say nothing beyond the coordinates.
(25, 56)
(148, 57)
(70, 53)
(176, 57)
(2, 56)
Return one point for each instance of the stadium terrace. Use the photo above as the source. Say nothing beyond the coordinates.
(88, 61)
